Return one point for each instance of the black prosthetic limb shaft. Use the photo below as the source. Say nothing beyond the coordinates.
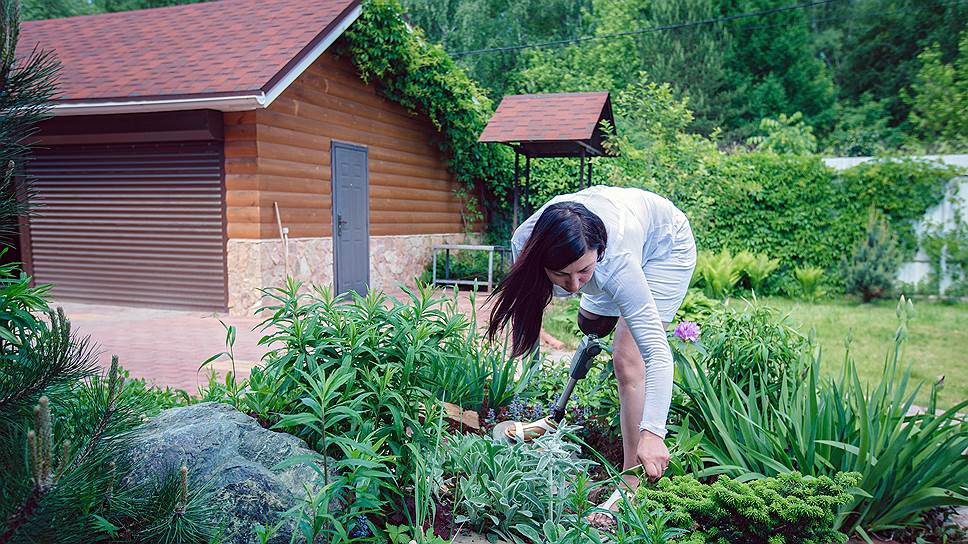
(589, 348)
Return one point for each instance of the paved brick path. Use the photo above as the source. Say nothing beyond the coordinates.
(166, 347)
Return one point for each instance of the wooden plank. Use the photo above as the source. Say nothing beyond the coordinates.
(240, 132)
(238, 117)
(242, 165)
(355, 91)
(331, 122)
(297, 138)
(241, 182)
(245, 231)
(284, 199)
(405, 193)
(291, 169)
(390, 167)
(270, 150)
(415, 228)
(294, 185)
(404, 217)
(393, 180)
(391, 204)
(246, 214)
(240, 148)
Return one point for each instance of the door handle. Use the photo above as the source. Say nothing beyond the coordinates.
(339, 224)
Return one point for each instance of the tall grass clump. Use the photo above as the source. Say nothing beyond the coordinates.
(909, 462)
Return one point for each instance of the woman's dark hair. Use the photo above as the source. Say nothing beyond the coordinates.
(564, 232)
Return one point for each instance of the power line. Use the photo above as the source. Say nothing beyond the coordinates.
(675, 26)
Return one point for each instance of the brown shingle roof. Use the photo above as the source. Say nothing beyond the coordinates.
(547, 117)
(209, 49)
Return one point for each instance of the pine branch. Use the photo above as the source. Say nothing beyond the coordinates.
(115, 385)
(56, 358)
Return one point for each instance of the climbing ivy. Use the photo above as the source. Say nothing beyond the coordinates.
(420, 76)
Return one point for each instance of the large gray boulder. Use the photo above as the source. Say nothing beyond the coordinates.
(231, 453)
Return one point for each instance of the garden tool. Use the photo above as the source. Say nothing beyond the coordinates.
(595, 328)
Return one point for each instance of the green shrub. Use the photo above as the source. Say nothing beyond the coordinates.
(355, 374)
(789, 508)
(909, 463)
(873, 263)
(504, 489)
(809, 281)
(719, 272)
(757, 267)
(750, 345)
(696, 307)
(785, 135)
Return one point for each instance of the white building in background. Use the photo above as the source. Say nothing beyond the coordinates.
(916, 271)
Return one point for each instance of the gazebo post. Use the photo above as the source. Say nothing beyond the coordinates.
(527, 184)
(589, 172)
(581, 171)
(516, 157)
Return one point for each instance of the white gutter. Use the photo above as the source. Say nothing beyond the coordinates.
(241, 102)
(221, 103)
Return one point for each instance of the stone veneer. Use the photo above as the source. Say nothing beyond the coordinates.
(253, 264)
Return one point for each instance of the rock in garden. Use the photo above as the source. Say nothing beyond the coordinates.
(234, 455)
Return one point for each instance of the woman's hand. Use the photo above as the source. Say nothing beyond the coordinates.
(653, 454)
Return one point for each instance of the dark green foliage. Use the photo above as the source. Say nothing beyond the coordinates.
(480, 24)
(182, 512)
(863, 129)
(872, 267)
(76, 492)
(879, 42)
(362, 376)
(52, 9)
(772, 68)
(787, 509)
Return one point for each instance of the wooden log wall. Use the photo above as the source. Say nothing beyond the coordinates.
(282, 154)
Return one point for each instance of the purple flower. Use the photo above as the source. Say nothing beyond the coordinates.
(688, 331)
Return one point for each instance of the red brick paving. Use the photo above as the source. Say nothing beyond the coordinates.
(166, 347)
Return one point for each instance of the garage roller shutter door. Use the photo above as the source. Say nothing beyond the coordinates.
(134, 224)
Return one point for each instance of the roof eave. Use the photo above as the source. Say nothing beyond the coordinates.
(240, 102)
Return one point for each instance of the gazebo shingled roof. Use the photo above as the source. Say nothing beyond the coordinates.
(551, 125)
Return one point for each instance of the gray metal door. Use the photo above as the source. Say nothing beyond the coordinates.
(351, 218)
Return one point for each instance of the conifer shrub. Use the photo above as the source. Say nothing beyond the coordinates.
(787, 509)
(871, 269)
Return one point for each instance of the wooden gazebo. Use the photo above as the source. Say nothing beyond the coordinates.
(550, 125)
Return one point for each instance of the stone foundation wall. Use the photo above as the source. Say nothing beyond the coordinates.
(253, 264)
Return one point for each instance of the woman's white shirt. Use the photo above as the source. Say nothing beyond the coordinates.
(641, 226)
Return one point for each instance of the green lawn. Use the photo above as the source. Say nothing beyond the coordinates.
(937, 341)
